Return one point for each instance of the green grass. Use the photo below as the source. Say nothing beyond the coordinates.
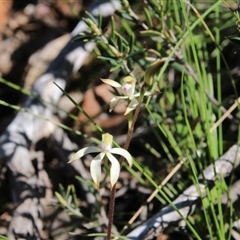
(181, 120)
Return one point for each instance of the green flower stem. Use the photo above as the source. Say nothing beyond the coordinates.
(130, 119)
(126, 146)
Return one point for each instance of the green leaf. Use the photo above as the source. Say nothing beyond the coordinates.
(113, 69)
(152, 69)
(124, 15)
(92, 17)
(112, 36)
(148, 17)
(234, 39)
(151, 33)
(120, 44)
(61, 199)
(84, 37)
(112, 60)
(124, 40)
(3, 238)
(136, 53)
(127, 27)
(99, 21)
(131, 42)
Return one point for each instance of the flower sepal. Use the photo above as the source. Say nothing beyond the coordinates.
(105, 151)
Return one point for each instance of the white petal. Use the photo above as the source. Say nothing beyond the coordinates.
(132, 105)
(113, 103)
(111, 83)
(148, 94)
(84, 151)
(123, 97)
(128, 89)
(124, 153)
(136, 95)
(95, 168)
(114, 170)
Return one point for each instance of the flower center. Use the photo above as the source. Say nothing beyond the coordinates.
(106, 148)
(128, 88)
(107, 142)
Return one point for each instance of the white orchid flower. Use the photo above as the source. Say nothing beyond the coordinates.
(105, 150)
(127, 89)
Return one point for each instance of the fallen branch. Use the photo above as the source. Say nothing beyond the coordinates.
(187, 201)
